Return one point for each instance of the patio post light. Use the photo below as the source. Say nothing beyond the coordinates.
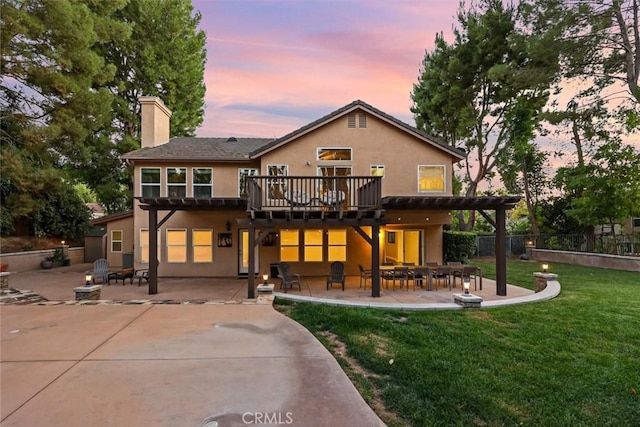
(545, 267)
(265, 277)
(466, 284)
(87, 279)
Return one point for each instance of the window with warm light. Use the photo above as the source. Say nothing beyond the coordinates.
(116, 240)
(334, 154)
(430, 179)
(176, 245)
(313, 245)
(150, 182)
(202, 183)
(289, 245)
(337, 245)
(144, 245)
(377, 170)
(202, 245)
(177, 182)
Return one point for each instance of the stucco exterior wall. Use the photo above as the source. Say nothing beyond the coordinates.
(377, 144)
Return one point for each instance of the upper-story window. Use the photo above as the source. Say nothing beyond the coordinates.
(202, 183)
(377, 170)
(150, 182)
(431, 178)
(334, 154)
(277, 187)
(243, 173)
(177, 182)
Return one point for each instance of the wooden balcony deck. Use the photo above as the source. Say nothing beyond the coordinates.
(304, 197)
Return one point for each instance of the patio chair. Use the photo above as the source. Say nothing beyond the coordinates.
(402, 274)
(443, 274)
(100, 270)
(364, 275)
(140, 275)
(468, 271)
(287, 278)
(336, 275)
(386, 274)
(297, 198)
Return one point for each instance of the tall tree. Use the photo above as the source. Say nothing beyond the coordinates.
(468, 91)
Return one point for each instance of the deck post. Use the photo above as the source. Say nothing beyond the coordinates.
(375, 261)
(501, 252)
(251, 294)
(153, 251)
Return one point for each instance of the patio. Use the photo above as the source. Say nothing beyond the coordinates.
(58, 284)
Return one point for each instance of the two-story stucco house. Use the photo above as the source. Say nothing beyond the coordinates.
(356, 186)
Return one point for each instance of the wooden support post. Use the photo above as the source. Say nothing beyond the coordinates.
(251, 294)
(501, 252)
(375, 261)
(153, 251)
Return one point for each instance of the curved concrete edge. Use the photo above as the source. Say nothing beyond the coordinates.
(551, 291)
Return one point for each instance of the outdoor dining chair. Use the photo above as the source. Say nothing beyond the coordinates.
(364, 275)
(402, 275)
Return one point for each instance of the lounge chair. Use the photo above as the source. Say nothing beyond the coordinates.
(100, 270)
(287, 277)
(336, 275)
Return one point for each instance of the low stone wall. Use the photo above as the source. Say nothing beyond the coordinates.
(29, 261)
(613, 262)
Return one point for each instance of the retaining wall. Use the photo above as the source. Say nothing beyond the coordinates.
(28, 261)
(613, 262)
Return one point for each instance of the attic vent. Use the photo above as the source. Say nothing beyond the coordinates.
(351, 121)
(362, 120)
(232, 139)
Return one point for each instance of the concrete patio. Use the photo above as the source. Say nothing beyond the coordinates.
(57, 285)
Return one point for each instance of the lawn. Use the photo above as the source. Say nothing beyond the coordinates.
(571, 361)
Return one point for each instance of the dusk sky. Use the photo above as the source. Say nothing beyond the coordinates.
(273, 66)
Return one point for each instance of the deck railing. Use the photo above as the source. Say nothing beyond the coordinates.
(314, 193)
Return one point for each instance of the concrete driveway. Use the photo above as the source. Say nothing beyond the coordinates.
(169, 365)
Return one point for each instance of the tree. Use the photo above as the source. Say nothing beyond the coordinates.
(469, 92)
(606, 190)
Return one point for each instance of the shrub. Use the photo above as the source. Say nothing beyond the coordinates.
(458, 246)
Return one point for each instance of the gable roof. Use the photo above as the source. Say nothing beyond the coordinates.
(246, 149)
(361, 105)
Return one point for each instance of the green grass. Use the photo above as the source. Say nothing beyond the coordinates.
(571, 361)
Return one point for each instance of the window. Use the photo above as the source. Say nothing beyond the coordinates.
(144, 245)
(362, 120)
(202, 183)
(116, 240)
(636, 222)
(334, 154)
(243, 173)
(176, 245)
(377, 170)
(430, 179)
(202, 245)
(289, 244)
(277, 187)
(337, 250)
(177, 182)
(150, 182)
(313, 245)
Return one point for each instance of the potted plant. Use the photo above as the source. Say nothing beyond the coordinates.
(59, 257)
(47, 263)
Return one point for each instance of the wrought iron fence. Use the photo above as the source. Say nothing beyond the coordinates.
(599, 243)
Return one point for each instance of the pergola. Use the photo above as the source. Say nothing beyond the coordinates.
(266, 221)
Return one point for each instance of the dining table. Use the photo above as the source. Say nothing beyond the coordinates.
(433, 270)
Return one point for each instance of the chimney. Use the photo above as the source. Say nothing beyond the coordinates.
(154, 123)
